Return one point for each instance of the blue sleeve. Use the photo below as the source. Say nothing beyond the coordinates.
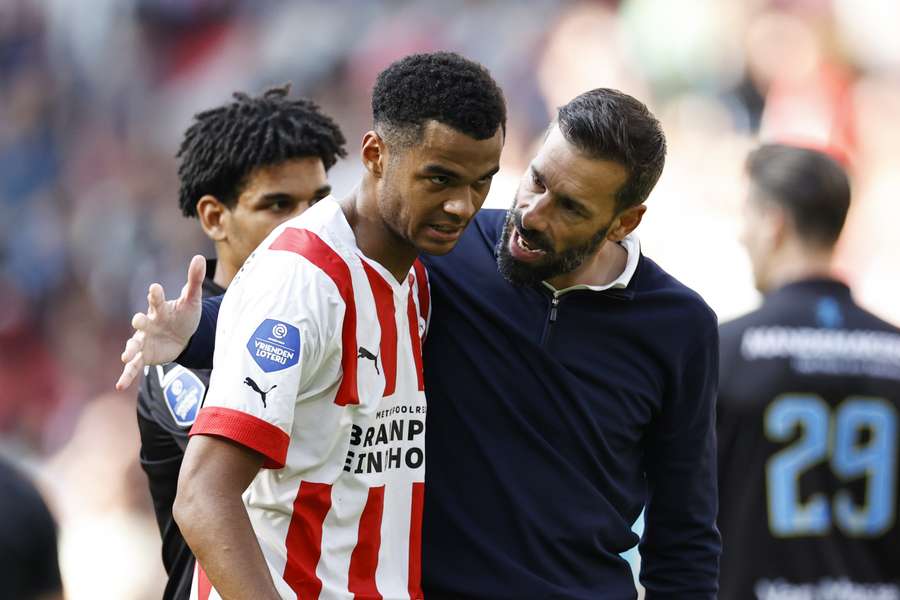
(199, 352)
(681, 545)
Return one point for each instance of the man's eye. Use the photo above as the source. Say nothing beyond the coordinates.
(485, 180)
(536, 182)
(439, 179)
(572, 208)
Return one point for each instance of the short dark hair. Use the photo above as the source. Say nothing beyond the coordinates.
(610, 125)
(440, 86)
(223, 145)
(810, 185)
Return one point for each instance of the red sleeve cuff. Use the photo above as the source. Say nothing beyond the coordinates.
(247, 430)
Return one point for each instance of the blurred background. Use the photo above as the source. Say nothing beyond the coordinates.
(95, 94)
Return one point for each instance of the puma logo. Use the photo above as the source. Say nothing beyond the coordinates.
(363, 353)
(255, 388)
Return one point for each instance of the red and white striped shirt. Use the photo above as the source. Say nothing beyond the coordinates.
(318, 367)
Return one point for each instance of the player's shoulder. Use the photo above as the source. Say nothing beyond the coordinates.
(305, 250)
(864, 319)
(490, 219)
(487, 227)
(653, 282)
(172, 394)
(320, 234)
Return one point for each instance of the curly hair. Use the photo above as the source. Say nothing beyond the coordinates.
(225, 144)
(440, 86)
(611, 125)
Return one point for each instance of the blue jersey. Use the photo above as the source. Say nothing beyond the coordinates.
(553, 420)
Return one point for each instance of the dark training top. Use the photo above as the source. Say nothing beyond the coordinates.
(168, 401)
(808, 448)
(550, 428)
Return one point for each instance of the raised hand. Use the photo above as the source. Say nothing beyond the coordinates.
(163, 332)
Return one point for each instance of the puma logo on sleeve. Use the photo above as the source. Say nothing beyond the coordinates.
(262, 394)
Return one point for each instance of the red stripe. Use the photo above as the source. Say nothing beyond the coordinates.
(304, 539)
(309, 245)
(245, 429)
(424, 292)
(384, 306)
(364, 560)
(413, 319)
(415, 541)
(204, 587)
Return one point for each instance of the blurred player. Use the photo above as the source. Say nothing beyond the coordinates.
(808, 404)
(29, 563)
(246, 167)
(571, 383)
(304, 473)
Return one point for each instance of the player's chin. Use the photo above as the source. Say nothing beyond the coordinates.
(437, 240)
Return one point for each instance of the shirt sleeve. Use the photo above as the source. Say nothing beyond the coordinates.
(199, 352)
(274, 327)
(681, 545)
(166, 437)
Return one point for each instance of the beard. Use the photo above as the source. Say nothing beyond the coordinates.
(551, 265)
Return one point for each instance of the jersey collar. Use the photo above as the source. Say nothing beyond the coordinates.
(811, 286)
(344, 233)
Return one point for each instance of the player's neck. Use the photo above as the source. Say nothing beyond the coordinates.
(225, 271)
(373, 237)
(798, 264)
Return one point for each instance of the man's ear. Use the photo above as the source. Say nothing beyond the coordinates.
(374, 153)
(213, 216)
(626, 222)
(778, 226)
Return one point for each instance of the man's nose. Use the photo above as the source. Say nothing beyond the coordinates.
(534, 214)
(463, 204)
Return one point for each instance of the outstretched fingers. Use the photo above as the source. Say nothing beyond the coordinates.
(132, 347)
(192, 292)
(156, 297)
(140, 321)
(132, 369)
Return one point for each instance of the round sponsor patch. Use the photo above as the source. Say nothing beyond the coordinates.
(274, 345)
(183, 392)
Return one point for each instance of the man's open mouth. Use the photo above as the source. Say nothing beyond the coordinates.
(522, 250)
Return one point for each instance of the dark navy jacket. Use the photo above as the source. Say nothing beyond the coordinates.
(547, 436)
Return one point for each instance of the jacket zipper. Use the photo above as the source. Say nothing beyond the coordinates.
(554, 309)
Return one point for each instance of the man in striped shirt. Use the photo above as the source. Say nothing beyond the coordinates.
(304, 474)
